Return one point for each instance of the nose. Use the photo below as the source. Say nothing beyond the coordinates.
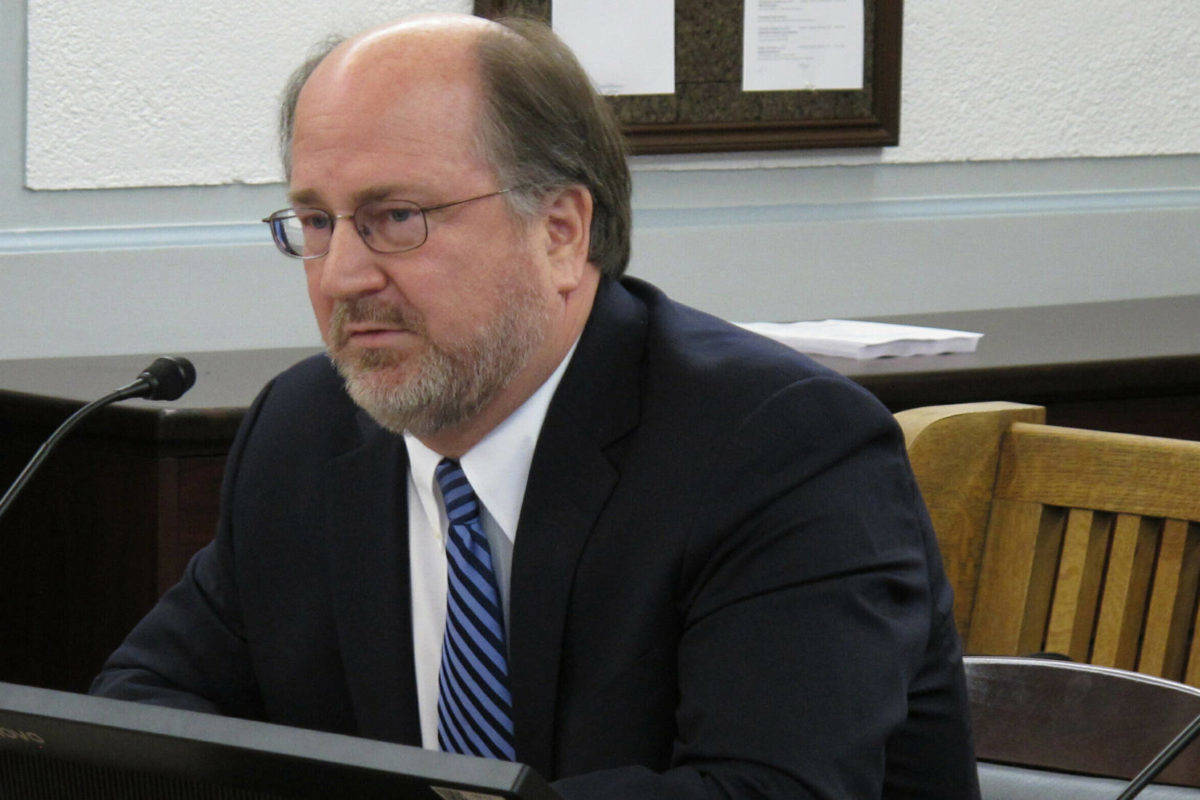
(350, 268)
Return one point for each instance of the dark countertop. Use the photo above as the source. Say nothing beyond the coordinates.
(1126, 348)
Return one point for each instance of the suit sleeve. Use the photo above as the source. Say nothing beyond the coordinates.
(818, 657)
(190, 651)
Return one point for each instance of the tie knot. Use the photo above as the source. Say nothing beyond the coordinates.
(457, 494)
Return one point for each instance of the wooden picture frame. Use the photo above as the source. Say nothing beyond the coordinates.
(710, 113)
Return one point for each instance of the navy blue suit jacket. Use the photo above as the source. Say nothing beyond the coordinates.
(724, 582)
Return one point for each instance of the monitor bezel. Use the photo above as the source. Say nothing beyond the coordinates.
(228, 752)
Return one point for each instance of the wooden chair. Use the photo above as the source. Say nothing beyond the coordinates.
(1084, 543)
(1046, 728)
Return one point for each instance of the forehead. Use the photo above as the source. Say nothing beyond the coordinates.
(394, 112)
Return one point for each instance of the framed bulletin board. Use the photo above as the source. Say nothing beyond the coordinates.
(710, 112)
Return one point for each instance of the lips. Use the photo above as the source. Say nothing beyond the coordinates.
(375, 337)
(353, 330)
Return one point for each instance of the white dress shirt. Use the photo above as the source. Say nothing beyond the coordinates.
(498, 469)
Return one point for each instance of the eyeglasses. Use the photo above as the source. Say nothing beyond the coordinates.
(385, 226)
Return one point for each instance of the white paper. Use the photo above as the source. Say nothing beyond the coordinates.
(625, 50)
(856, 339)
(802, 44)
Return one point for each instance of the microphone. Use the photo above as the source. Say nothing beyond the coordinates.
(165, 379)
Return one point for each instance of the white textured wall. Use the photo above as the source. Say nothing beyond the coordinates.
(1049, 78)
(128, 93)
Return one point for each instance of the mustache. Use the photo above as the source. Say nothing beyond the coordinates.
(370, 310)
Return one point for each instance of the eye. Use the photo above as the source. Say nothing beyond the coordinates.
(400, 214)
(315, 220)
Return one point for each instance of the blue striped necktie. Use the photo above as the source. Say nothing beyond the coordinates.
(474, 701)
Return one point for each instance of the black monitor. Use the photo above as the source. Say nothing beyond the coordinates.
(61, 745)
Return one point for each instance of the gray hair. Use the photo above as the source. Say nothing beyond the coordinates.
(545, 126)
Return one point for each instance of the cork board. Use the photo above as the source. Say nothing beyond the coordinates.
(709, 112)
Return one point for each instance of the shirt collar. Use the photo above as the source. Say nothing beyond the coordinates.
(497, 467)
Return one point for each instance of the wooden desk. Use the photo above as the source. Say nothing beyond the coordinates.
(114, 515)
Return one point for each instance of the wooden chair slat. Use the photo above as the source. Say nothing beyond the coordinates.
(1126, 587)
(1077, 587)
(1010, 613)
(1172, 602)
(1191, 672)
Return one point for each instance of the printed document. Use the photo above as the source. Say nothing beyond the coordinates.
(790, 45)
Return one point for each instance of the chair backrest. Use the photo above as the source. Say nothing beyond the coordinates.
(1085, 543)
(1079, 718)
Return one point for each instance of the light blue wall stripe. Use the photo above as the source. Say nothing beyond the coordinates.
(923, 208)
(252, 233)
(132, 237)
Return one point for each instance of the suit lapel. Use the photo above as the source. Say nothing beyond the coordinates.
(367, 526)
(570, 480)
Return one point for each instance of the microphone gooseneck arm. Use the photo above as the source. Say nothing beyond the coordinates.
(166, 379)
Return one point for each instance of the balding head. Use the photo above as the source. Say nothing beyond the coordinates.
(437, 44)
(540, 125)
(425, 46)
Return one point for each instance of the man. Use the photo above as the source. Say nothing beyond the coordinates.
(578, 525)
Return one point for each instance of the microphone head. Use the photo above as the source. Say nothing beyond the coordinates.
(168, 378)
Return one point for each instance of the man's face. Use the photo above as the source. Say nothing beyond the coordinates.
(428, 337)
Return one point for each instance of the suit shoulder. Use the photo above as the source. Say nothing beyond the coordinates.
(314, 379)
(305, 406)
(690, 352)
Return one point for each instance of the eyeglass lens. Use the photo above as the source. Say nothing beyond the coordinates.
(386, 226)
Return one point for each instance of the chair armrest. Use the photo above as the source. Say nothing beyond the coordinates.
(954, 450)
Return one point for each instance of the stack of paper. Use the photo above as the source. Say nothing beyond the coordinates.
(852, 339)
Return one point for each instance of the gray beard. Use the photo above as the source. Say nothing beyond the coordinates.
(446, 384)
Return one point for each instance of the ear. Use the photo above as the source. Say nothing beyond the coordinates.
(567, 216)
